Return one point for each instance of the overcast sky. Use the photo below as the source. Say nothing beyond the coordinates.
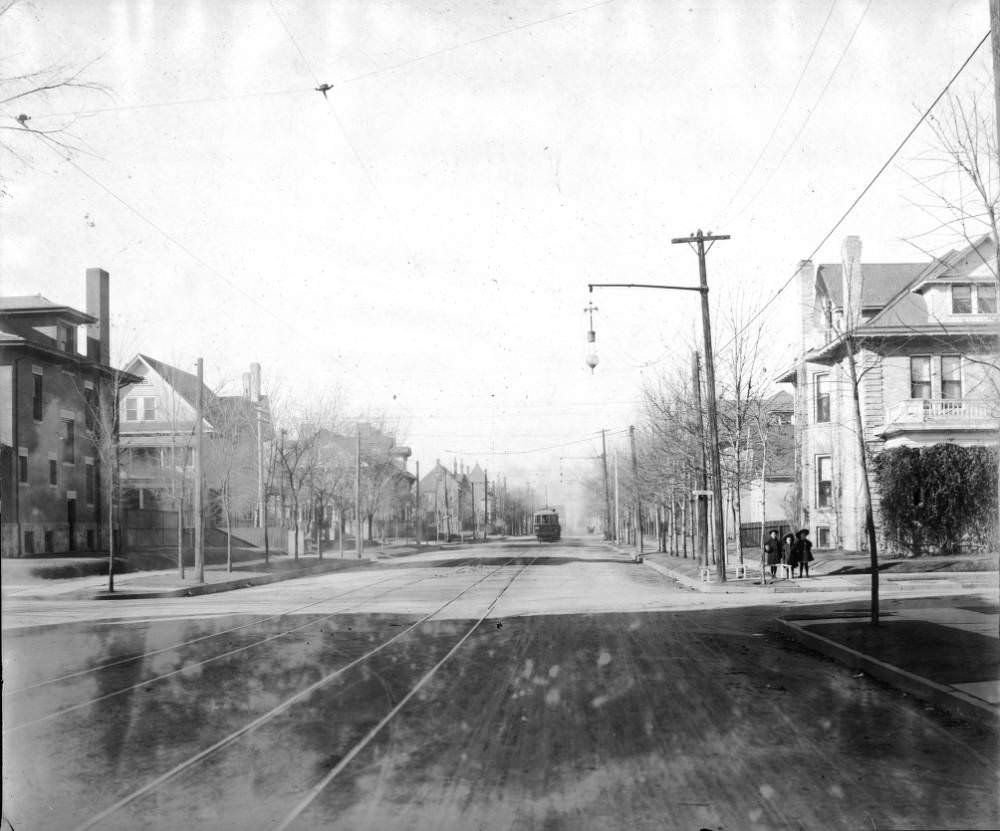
(422, 239)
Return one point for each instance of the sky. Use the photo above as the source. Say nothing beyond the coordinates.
(417, 244)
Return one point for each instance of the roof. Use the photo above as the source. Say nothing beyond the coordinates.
(34, 304)
(882, 281)
(184, 383)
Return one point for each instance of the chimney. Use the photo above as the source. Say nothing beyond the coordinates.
(255, 382)
(805, 276)
(246, 386)
(99, 306)
(850, 257)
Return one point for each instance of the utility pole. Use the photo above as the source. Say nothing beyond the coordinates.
(699, 239)
(486, 503)
(701, 514)
(475, 519)
(618, 504)
(607, 496)
(199, 512)
(995, 37)
(357, 497)
(417, 512)
(638, 498)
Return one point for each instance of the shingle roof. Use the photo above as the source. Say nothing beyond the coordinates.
(184, 383)
(882, 281)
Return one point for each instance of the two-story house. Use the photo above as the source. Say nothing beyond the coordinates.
(157, 417)
(56, 424)
(925, 339)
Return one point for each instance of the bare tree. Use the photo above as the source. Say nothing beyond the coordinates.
(742, 379)
(26, 94)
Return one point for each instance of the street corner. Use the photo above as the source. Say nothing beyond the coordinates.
(948, 657)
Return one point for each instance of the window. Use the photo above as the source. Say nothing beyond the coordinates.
(986, 299)
(22, 467)
(29, 542)
(49, 540)
(148, 409)
(37, 407)
(53, 472)
(89, 406)
(131, 413)
(89, 484)
(951, 377)
(824, 482)
(822, 398)
(69, 441)
(920, 377)
(961, 300)
(822, 536)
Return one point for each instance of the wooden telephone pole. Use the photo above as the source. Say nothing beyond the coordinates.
(698, 241)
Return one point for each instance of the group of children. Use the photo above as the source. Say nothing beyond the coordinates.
(794, 550)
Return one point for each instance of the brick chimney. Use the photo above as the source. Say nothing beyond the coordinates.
(853, 280)
(805, 277)
(255, 382)
(99, 306)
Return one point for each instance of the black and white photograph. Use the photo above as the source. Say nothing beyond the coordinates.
(501, 415)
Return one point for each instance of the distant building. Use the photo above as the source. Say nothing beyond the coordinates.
(927, 347)
(56, 406)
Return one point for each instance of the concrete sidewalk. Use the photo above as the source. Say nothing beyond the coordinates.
(18, 581)
(944, 650)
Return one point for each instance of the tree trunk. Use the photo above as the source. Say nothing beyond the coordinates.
(866, 486)
(229, 530)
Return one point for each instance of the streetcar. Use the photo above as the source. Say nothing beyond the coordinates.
(546, 525)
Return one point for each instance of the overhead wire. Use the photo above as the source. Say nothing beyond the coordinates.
(864, 191)
(360, 77)
(808, 118)
(781, 117)
(494, 452)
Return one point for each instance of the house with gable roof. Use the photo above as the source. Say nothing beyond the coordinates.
(157, 427)
(927, 340)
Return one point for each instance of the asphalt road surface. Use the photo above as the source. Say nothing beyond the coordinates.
(508, 686)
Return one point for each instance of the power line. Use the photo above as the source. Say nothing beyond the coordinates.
(867, 187)
(784, 112)
(809, 115)
(352, 79)
(533, 450)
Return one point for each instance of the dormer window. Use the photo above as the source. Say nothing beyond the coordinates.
(977, 298)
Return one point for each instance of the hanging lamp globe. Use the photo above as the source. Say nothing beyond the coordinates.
(592, 361)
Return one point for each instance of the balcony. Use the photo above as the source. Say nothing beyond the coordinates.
(932, 420)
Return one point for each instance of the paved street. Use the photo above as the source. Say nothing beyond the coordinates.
(504, 686)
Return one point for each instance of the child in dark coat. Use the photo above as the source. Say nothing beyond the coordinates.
(773, 554)
(802, 552)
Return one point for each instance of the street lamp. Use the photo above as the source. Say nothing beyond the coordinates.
(591, 359)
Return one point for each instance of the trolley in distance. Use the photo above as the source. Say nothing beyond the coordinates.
(546, 525)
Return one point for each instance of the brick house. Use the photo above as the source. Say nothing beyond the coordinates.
(927, 348)
(54, 423)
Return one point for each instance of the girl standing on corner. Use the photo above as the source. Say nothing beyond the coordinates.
(803, 552)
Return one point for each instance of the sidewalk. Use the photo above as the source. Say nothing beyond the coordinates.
(942, 650)
(20, 578)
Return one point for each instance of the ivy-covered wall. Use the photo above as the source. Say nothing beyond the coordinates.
(939, 499)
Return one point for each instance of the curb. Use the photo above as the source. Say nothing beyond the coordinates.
(941, 696)
(223, 586)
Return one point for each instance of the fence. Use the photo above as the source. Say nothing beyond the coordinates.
(750, 531)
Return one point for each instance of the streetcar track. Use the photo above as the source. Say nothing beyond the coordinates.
(348, 757)
(180, 644)
(121, 621)
(186, 667)
(287, 703)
